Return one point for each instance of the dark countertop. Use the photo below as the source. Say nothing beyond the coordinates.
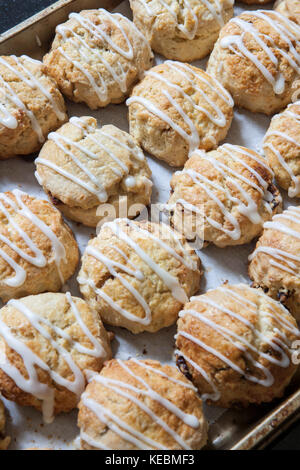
(15, 11)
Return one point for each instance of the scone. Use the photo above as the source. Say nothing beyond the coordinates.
(97, 57)
(38, 251)
(47, 343)
(137, 275)
(134, 405)
(176, 109)
(275, 263)
(282, 148)
(181, 30)
(4, 440)
(235, 344)
(31, 106)
(83, 169)
(289, 8)
(257, 59)
(223, 196)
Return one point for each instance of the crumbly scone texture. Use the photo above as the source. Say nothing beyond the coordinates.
(90, 69)
(187, 34)
(285, 143)
(38, 279)
(74, 200)
(23, 139)
(258, 329)
(163, 306)
(155, 135)
(289, 8)
(242, 78)
(266, 271)
(217, 188)
(4, 440)
(134, 416)
(54, 308)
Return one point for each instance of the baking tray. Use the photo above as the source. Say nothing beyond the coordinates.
(251, 428)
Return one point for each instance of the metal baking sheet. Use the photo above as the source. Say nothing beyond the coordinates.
(246, 429)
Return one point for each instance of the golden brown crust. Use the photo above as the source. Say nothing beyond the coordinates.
(4, 441)
(134, 416)
(208, 192)
(188, 37)
(107, 165)
(156, 135)
(242, 77)
(37, 278)
(289, 8)
(56, 309)
(237, 342)
(22, 138)
(275, 263)
(80, 82)
(163, 306)
(282, 148)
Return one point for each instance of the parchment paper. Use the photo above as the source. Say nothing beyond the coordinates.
(25, 425)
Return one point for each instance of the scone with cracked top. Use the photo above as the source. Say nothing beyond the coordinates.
(4, 440)
(137, 275)
(289, 8)
(47, 343)
(97, 57)
(31, 106)
(179, 30)
(134, 405)
(38, 251)
(235, 344)
(256, 58)
(282, 148)
(275, 263)
(223, 196)
(176, 109)
(83, 168)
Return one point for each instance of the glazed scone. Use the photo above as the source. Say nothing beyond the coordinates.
(47, 342)
(282, 148)
(82, 169)
(134, 405)
(4, 440)
(137, 275)
(223, 196)
(257, 59)
(179, 30)
(275, 263)
(176, 109)
(289, 8)
(235, 344)
(38, 251)
(31, 106)
(97, 57)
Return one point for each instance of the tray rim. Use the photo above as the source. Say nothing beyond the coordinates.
(288, 411)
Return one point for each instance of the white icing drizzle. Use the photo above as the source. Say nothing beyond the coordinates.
(38, 259)
(170, 281)
(214, 7)
(245, 204)
(123, 388)
(280, 346)
(278, 258)
(288, 31)
(97, 136)
(217, 116)
(31, 360)
(294, 189)
(6, 118)
(86, 50)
